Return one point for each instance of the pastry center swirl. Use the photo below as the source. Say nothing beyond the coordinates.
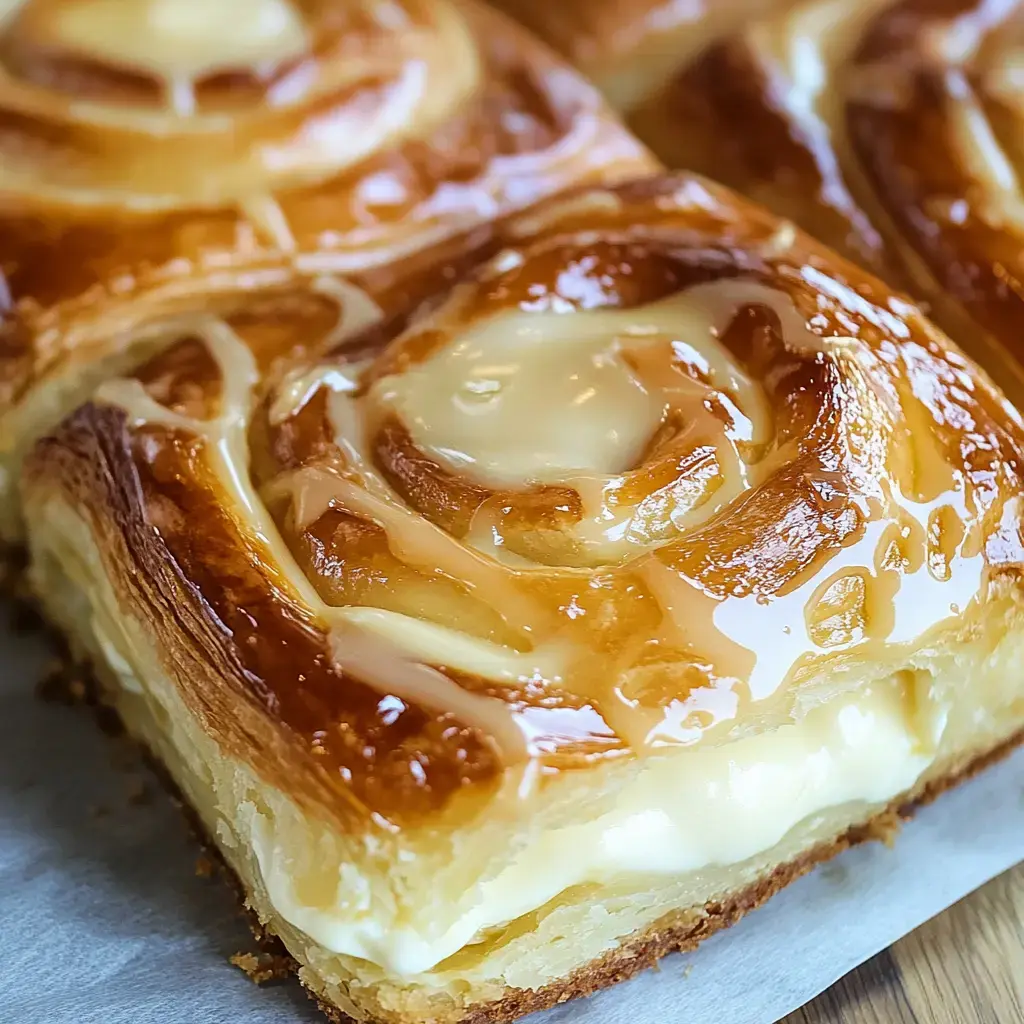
(660, 508)
(607, 406)
(535, 398)
(167, 104)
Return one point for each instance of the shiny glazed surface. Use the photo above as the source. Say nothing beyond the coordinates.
(172, 146)
(744, 462)
(939, 79)
(631, 47)
(890, 130)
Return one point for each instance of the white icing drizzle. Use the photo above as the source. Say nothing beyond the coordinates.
(575, 397)
(389, 669)
(358, 644)
(807, 45)
(299, 388)
(893, 562)
(225, 435)
(425, 640)
(267, 216)
(587, 204)
(961, 46)
(529, 398)
(900, 595)
(663, 329)
(412, 538)
(984, 158)
(804, 50)
(959, 40)
(357, 310)
(658, 328)
(183, 155)
(986, 40)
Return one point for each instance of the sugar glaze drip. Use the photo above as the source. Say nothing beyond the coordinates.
(357, 649)
(901, 575)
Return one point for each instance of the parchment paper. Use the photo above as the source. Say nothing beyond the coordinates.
(104, 919)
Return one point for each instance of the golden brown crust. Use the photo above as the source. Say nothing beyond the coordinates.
(932, 114)
(886, 128)
(770, 152)
(519, 127)
(858, 435)
(625, 45)
(326, 164)
(590, 32)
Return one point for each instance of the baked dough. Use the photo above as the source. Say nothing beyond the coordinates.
(660, 556)
(155, 154)
(631, 48)
(888, 130)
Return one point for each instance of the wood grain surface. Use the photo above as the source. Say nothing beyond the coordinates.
(965, 966)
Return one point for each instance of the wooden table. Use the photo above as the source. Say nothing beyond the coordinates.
(964, 967)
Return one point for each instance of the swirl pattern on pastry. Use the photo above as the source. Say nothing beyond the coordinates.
(154, 153)
(888, 129)
(640, 475)
(317, 127)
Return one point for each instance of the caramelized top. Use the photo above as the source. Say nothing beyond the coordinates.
(887, 128)
(779, 81)
(147, 142)
(649, 469)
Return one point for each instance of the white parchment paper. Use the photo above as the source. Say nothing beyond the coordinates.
(104, 919)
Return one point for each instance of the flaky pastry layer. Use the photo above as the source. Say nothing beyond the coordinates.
(617, 926)
(886, 128)
(614, 585)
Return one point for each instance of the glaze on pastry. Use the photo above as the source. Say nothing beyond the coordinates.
(630, 48)
(888, 130)
(657, 558)
(155, 153)
(885, 128)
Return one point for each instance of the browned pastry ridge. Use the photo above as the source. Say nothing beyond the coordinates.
(155, 155)
(889, 129)
(654, 559)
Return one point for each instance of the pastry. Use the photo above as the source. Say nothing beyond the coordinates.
(630, 48)
(659, 556)
(886, 129)
(155, 153)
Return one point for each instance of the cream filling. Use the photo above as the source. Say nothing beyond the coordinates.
(680, 813)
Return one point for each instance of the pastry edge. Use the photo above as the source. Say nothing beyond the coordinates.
(675, 932)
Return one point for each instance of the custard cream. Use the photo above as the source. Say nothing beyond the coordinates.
(683, 812)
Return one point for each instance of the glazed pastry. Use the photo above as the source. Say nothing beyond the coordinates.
(888, 130)
(631, 48)
(660, 557)
(154, 153)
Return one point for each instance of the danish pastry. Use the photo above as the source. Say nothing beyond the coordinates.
(155, 154)
(658, 557)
